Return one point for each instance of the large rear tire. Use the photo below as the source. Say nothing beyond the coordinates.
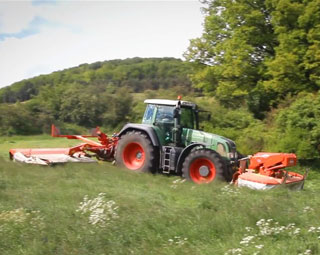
(135, 152)
(204, 166)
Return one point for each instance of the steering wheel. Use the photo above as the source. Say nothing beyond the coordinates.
(166, 118)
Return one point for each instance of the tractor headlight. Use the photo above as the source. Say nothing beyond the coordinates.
(222, 150)
(233, 155)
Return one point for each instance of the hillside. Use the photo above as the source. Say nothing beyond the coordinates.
(136, 74)
(88, 95)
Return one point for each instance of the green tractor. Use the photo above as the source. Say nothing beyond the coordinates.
(169, 141)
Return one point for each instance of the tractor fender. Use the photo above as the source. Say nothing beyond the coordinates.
(141, 127)
(185, 153)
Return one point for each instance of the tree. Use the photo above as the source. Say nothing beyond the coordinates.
(295, 66)
(229, 57)
(119, 109)
(83, 107)
(299, 126)
(17, 119)
(257, 51)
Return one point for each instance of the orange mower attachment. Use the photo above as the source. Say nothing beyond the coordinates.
(267, 170)
(104, 149)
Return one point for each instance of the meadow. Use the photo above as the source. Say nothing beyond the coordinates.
(100, 209)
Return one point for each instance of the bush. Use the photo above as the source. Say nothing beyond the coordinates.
(299, 125)
(17, 119)
(238, 125)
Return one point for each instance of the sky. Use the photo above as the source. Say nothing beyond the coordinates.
(42, 36)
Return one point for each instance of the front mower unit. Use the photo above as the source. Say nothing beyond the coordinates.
(267, 171)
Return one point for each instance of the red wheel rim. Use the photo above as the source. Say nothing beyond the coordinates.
(202, 170)
(133, 156)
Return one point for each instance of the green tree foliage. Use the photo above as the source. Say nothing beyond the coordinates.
(17, 119)
(91, 94)
(229, 57)
(236, 124)
(298, 126)
(82, 105)
(137, 74)
(295, 66)
(119, 109)
(257, 52)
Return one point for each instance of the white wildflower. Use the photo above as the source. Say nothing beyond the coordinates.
(312, 229)
(229, 190)
(291, 226)
(247, 240)
(22, 216)
(248, 229)
(260, 246)
(100, 212)
(307, 252)
(307, 209)
(296, 231)
(177, 240)
(177, 182)
(235, 251)
(270, 227)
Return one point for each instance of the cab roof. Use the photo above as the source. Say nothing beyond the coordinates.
(169, 102)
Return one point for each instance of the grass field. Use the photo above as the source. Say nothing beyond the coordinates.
(100, 209)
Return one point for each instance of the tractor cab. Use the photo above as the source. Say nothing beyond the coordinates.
(170, 117)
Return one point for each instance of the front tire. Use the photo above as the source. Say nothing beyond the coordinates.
(203, 166)
(135, 152)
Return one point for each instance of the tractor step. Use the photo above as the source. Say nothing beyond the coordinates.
(166, 159)
(169, 160)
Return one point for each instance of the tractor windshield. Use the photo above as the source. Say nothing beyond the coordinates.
(164, 114)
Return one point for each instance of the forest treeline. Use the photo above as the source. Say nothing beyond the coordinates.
(256, 67)
(88, 95)
(137, 74)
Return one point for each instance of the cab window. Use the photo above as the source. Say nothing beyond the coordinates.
(164, 114)
(187, 118)
(148, 114)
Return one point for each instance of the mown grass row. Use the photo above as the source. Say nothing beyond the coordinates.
(39, 214)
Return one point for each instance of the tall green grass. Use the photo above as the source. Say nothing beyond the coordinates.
(156, 214)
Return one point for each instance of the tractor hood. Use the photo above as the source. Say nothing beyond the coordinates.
(224, 146)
